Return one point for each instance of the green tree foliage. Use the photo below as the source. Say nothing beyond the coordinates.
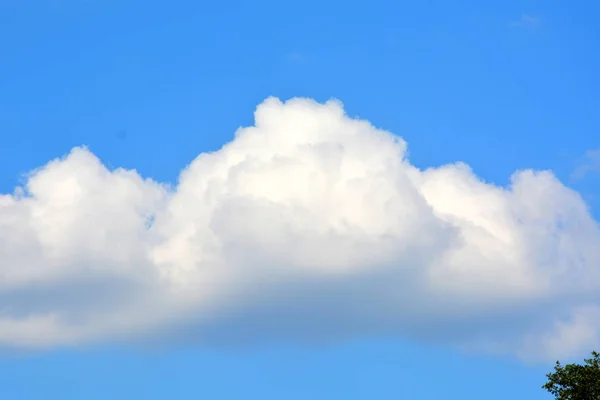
(575, 381)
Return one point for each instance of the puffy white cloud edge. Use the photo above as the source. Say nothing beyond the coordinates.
(309, 225)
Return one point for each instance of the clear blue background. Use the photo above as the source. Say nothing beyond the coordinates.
(150, 84)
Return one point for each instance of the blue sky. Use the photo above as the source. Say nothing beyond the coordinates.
(500, 86)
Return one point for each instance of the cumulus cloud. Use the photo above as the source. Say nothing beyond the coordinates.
(308, 226)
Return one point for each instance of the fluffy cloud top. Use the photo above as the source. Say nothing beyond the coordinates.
(309, 225)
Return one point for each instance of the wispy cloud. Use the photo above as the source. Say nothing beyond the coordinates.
(528, 21)
(297, 58)
(589, 162)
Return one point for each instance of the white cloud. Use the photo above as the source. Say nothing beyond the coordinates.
(527, 21)
(309, 225)
(589, 163)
